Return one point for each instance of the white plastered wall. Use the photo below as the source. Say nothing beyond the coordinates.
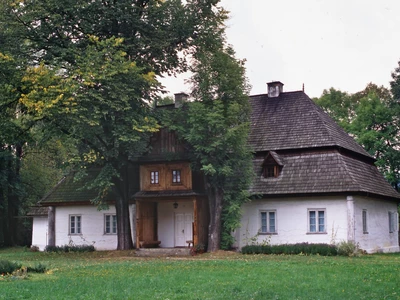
(378, 238)
(39, 232)
(292, 220)
(166, 221)
(92, 224)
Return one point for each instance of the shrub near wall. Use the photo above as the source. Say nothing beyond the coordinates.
(301, 248)
(68, 248)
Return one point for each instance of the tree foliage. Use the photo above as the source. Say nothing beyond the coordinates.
(216, 127)
(372, 117)
(91, 76)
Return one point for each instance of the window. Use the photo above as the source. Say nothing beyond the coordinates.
(316, 221)
(392, 221)
(272, 165)
(110, 224)
(176, 176)
(364, 221)
(268, 222)
(75, 224)
(271, 171)
(154, 177)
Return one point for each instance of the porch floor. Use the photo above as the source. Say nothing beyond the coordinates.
(156, 252)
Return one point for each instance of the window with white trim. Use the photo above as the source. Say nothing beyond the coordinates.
(364, 221)
(316, 221)
(393, 220)
(110, 224)
(154, 177)
(176, 176)
(75, 224)
(268, 221)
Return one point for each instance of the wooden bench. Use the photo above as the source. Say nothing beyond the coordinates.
(189, 243)
(149, 244)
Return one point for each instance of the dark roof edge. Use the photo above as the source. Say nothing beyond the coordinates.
(341, 150)
(266, 94)
(79, 203)
(345, 193)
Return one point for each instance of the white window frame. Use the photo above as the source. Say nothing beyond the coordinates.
(75, 224)
(176, 176)
(365, 221)
(154, 177)
(267, 226)
(112, 229)
(393, 221)
(317, 218)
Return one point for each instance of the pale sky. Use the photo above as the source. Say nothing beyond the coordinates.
(321, 43)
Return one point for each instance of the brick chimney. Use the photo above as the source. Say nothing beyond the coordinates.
(180, 98)
(274, 88)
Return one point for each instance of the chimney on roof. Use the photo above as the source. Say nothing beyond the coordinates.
(274, 89)
(180, 98)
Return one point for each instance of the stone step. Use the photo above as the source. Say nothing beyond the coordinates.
(156, 252)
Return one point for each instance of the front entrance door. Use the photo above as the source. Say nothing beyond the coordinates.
(183, 228)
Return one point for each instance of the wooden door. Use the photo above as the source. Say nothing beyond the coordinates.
(183, 229)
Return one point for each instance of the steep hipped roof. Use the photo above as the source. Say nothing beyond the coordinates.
(293, 121)
(310, 146)
(316, 172)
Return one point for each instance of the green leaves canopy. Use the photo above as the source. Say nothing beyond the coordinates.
(372, 117)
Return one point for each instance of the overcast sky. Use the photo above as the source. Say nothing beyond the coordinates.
(343, 44)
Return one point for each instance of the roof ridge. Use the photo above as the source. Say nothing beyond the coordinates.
(53, 189)
(349, 174)
(329, 121)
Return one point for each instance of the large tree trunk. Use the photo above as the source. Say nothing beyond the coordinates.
(124, 233)
(215, 199)
(123, 224)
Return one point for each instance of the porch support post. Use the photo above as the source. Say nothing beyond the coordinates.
(133, 211)
(137, 220)
(350, 219)
(52, 226)
(195, 223)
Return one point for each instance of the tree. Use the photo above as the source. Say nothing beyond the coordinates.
(372, 117)
(377, 128)
(395, 83)
(339, 105)
(93, 76)
(216, 127)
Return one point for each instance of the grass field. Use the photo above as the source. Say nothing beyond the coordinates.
(121, 275)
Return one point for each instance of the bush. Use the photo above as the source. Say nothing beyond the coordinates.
(38, 268)
(7, 267)
(68, 248)
(348, 248)
(300, 248)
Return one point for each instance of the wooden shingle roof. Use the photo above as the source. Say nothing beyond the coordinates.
(69, 190)
(317, 155)
(320, 173)
(294, 121)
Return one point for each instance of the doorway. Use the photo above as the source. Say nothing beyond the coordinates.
(183, 229)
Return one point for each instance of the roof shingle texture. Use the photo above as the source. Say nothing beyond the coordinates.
(294, 121)
(322, 173)
(70, 190)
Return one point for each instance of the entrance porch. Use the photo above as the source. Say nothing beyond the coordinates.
(171, 222)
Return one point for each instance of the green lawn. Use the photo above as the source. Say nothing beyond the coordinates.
(121, 275)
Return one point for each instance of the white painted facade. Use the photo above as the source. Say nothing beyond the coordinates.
(39, 232)
(378, 238)
(92, 227)
(168, 230)
(343, 222)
